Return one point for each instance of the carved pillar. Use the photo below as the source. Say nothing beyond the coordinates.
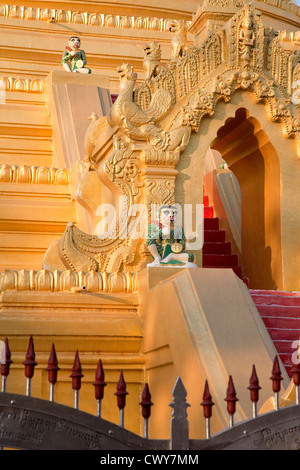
(159, 175)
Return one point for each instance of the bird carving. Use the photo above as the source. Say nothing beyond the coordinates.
(125, 113)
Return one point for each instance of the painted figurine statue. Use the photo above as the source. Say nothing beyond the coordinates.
(166, 241)
(74, 58)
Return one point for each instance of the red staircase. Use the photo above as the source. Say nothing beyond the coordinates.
(280, 312)
(216, 252)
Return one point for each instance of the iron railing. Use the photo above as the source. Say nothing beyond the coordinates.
(179, 422)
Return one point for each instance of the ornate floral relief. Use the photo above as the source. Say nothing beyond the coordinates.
(246, 77)
(280, 108)
(264, 89)
(223, 86)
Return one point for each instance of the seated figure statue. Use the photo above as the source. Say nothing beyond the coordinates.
(166, 241)
(74, 58)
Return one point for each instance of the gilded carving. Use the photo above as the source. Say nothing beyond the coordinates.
(280, 108)
(179, 39)
(22, 84)
(246, 77)
(84, 18)
(246, 38)
(33, 175)
(65, 281)
(151, 125)
(135, 122)
(264, 89)
(151, 63)
(295, 85)
(223, 86)
(211, 52)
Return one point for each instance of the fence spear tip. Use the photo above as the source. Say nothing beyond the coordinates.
(52, 367)
(30, 362)
(276, 375)
(207, 402)
(254, 386)
(146, 402)
(76, 372)
(121, 392)
(99, 383)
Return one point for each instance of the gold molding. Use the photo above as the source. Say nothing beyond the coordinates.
(85, 18)
(67, 281)
(28, 85)
(33, 175)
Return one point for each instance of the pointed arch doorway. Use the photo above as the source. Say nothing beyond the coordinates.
(249, 154)
(264, 165)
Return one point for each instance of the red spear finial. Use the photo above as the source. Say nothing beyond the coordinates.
(295, 371)
(30, 360)
(146, 402)
(276, 376)
(76, 373)
(121, 392)
(5, 359)
(207, 402)
(99, 383)
(52, 366)
(231, 399)
(254, 386)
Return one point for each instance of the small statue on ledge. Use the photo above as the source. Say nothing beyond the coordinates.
(74, 58)
(166, 241)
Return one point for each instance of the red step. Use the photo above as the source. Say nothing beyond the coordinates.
(216, 236)
(205, 200)
(274, 297)
(208, 212)
(211, 223)
(221, 261)
(280, 312)
(222, 248)
(216, 251)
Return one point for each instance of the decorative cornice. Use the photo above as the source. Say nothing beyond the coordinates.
(84, 18)
(67, 281)
(33, 175)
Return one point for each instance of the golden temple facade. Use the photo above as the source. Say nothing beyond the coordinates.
(181, 96)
